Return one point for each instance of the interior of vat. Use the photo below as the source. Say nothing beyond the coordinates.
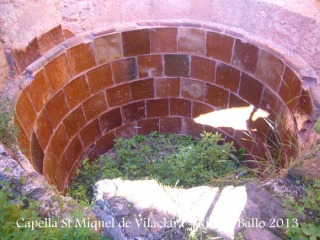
(92, 89)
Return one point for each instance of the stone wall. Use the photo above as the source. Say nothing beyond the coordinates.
(4, 66)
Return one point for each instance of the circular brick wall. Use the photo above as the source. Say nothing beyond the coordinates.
(94, 88)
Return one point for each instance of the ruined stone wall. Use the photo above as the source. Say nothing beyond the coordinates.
(4, 66)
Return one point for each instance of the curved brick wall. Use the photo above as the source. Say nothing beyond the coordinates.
(92, 89)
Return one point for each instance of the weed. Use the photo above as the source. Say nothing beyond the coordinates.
(19, 213)
(8, 131)
(171, 160)
(274, 161)
(307, 209)
(317, 126)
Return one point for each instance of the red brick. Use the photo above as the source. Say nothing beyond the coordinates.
(124, 70)
(245, 56)
(192, 89)
(50, 39)
(100, 78)
(202, 68)
(22, 139)
(272, 104)
(260, 125)
(81, 58)
(72, 174)
(200, 108)
(191, 40)
(119, 95)
(163, 40)
(127, 131)
(142, 89)
(108, 48)
(134, 111)
(61, 174)
(275, 147)
(25, 57)
(91, 153)
(148, 125)
(73, 151)
(157, 108)
(290, 141)
(176, 65)
(105, 143)
(250, 90)
(170, 125)
(228, 131)
(58, 72)
(269, 70)
(167, 87)
(150, 66)
(110, 120)
(235, 101)
(290, 88)
(90, 133)
(58, 142)
(305, 106)
(136, 42)
(216, 96)
(180, 107)
(36, 154)
(50, 167)
(94, 106)
(39, 91)
(74, 121)
(260, 153)
(228, 77)
(56, 109)
(244, 139)
(25, 112)
(67, 33)
(76, 91)
(219, 46)
(189, 127)
(43, 129)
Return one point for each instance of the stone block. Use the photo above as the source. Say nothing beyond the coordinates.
(100, 78)
(94, 106)
(192, 89)
(57, 108)
(203, 69)
(157, 107)
(119, 95)
(76, 91)
(167, 87)
(228, 77)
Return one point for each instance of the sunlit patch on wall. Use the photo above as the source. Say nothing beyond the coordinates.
(236, 118)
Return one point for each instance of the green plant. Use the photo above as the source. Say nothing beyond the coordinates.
(274, 161)
(81, 188)
(317, 126)
(8, 131)
(172, 160)
(307, 209)
(18, 213)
